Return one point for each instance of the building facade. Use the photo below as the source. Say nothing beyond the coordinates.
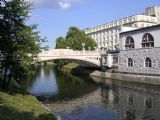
(107, 35)
(140, 51)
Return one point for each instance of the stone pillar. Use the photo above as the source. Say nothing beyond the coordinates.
(109, 60)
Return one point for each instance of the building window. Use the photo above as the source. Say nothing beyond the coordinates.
(148, 62)
(147, 40)
(130, 62)
(129, 44)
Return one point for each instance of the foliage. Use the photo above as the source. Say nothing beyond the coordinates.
(19, 43)
(27, 108)
(60, 43)
(74, 39)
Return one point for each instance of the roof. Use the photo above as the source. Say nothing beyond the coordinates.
(140, 29)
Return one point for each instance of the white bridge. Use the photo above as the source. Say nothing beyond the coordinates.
(84, 57)
(90, 58)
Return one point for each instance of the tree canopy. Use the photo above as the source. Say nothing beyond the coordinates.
(74, 39)
(19, 43)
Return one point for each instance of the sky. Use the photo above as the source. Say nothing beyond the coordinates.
(54, 17)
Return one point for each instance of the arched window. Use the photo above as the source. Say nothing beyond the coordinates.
(129, 44)
(147, 40)
(148, 62)
(130, 62)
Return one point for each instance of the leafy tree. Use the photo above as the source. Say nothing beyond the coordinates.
(74, 39)
(60, 43)
(19, 43)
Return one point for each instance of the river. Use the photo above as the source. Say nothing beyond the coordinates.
(83, 98)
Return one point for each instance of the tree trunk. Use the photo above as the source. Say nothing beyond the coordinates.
(5, 77)
(9, 78)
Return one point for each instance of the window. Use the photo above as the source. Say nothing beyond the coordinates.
(129, 44)
(148, 102)
(147, 40)
(130, 62)
(148, 62)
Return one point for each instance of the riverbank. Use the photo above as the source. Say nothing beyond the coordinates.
(22, 106)
(145, 79)
(17, 104)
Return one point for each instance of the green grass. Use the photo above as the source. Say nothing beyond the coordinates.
(15, 106)
(70, 66)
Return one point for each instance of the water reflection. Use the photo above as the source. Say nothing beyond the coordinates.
(132, 101)
(83, 98)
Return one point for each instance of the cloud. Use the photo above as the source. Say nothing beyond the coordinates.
(64, 5)
(56, 4)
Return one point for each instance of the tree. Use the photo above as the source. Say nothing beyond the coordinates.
(19, 43)
(74, 39)
(60, 43)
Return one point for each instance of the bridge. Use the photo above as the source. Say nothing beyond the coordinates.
(89, 58)
(92, 58)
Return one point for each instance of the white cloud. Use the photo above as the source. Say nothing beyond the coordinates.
(56, 4)
(64, 5)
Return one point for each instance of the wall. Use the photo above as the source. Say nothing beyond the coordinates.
(138, 56)
(137, 36)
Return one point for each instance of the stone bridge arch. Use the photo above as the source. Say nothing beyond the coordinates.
(90, 58)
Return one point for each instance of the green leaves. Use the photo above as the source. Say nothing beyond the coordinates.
(19, 43)
(74, 39)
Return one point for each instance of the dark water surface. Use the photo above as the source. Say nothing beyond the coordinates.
(83, 98)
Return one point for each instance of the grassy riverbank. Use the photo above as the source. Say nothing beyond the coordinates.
(77, 69)
(18, 106)
(70, 66)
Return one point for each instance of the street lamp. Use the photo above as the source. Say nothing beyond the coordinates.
(89, 48)
(83, 45)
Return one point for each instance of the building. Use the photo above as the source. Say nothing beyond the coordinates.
(140, 51)
(107, 35)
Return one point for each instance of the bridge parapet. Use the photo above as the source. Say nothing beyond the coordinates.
(64, 52)
(87, 56)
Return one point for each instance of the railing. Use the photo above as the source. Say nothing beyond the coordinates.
(67, 52)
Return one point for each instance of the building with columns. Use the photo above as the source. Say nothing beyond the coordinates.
(107, 35)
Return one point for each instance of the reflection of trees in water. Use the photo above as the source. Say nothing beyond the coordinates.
(36, 72)
(132, 101)
(70, 86)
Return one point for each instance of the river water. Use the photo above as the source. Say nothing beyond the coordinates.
(84, 98)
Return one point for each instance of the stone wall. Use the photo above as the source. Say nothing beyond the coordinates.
(138, 57)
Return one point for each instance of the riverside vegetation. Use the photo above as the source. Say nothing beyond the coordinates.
(18, 106)
(19, 45)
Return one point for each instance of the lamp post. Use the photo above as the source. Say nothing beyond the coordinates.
(89, 48)
(83, 45)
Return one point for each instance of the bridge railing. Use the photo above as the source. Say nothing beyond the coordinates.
(66, 52)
